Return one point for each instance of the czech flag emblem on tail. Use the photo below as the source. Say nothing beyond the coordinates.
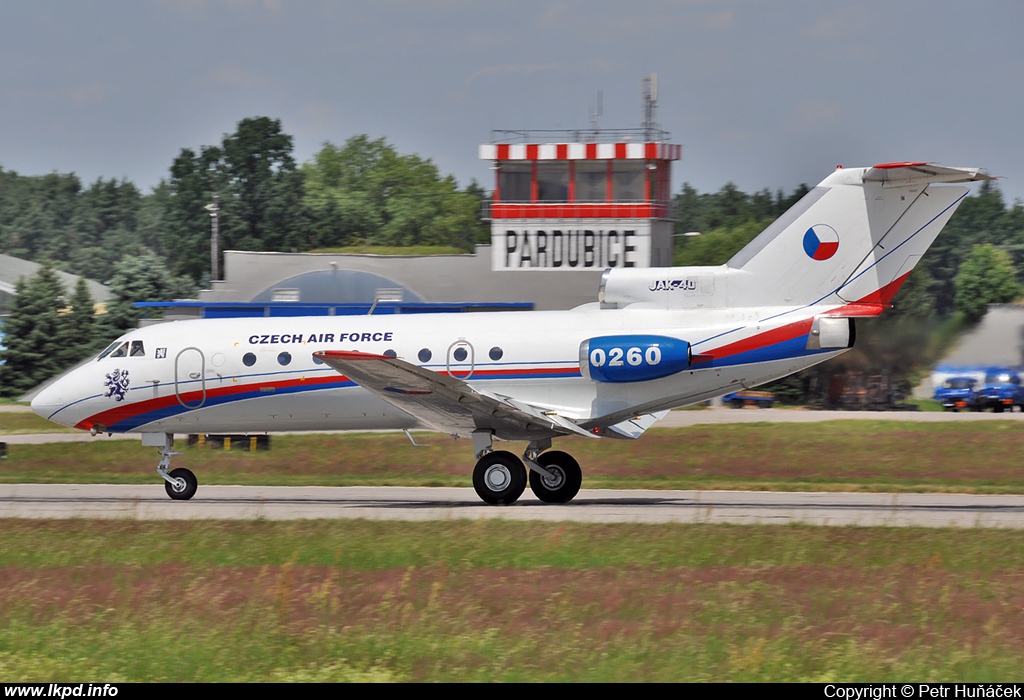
(821, 242)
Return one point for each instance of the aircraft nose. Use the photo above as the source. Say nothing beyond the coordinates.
(49, 401)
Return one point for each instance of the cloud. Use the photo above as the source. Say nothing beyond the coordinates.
(719, 20)
(196, 7)
(94, 93)
(514, 68)
(322, 115)
(817, 114)
(233, 75)
(834, 26)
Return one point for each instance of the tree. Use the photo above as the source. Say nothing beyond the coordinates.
(80, 323)
(35, 334)
(985, 277)
(261, 197)
(378, 196)
(138, 278)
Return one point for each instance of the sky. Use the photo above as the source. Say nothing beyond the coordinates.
(761, 94)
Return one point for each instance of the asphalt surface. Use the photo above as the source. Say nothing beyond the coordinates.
(149, 502)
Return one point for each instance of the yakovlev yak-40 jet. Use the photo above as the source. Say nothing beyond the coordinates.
(655, 339)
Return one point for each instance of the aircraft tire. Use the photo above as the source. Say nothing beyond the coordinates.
(566, 486)
(185, 492)
(499, 478)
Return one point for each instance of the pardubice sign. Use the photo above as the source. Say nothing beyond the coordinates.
(591, 246)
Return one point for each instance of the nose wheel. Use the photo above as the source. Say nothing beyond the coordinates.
(182, 484)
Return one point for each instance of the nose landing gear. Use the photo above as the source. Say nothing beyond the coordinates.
(181, 483)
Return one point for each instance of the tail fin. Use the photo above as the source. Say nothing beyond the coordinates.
(855, 237)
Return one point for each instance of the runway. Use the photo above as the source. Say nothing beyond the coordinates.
(149, 502)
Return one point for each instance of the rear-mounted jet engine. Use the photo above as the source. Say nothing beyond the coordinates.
(633, 358)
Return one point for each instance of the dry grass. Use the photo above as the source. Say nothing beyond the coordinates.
(507, 601)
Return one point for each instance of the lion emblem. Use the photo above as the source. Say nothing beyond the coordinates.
(117, 384)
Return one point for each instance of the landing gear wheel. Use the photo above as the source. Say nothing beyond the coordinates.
(184, 485)
(564, 485)
(499, 478)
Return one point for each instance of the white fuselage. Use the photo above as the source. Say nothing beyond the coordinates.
(258, 374)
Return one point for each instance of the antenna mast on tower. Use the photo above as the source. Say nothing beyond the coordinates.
(594, 128)
(649, 102)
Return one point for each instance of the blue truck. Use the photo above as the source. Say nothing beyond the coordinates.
(1001, 391)
(956, 393)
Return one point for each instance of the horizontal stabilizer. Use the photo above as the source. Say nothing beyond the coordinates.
(909, 174)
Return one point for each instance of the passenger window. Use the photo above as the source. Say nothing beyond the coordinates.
(137, 349)
(121, 351)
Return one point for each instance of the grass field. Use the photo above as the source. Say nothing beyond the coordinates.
(840, 455)
(500, 601)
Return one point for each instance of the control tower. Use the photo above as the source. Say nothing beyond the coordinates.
(582, 200)
(565, 202)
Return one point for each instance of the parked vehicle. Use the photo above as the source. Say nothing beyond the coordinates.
(957, 393)
(749, 397)
(1001, 391)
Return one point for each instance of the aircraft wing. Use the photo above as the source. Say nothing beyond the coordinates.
(446, 403)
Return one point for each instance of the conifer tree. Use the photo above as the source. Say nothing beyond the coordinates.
(34, 334)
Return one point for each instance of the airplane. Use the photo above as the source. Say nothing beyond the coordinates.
(655, 339)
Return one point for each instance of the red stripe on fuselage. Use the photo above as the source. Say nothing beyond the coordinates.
(121, 412)
(776, 335)
(114, 415)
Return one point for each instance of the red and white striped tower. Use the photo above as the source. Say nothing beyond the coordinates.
(577, 204)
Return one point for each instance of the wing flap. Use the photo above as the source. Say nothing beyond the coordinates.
(444, 402)
(637, 426)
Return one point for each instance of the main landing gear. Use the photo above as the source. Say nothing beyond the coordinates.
(500, 477)
(181, 483)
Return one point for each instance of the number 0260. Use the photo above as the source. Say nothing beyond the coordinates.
(634, 356)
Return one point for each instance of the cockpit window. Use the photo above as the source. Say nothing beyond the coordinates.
(109, 349)
(124, 348)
